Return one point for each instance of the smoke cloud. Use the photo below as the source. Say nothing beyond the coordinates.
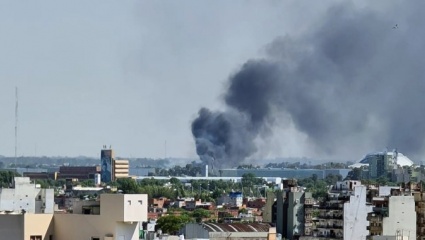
(353, 84)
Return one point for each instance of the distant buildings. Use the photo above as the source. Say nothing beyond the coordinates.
(283, 172)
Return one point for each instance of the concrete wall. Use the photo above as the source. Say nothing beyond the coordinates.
(279, 212)
(38, 225)
(402, 217)
(12, 227)
(76, 226)
(119, 218)
(295, 214)
(355, 215)
(194, 230)
(124, 207)
(138, 209)
(267, 213)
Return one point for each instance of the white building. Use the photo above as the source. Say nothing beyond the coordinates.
(355, 214)
(401, 218)
(27, 197)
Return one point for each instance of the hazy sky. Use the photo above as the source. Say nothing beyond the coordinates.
(133, 74)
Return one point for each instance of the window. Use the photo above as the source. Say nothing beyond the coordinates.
(129, 202)
(36, 237)
(95, 238)
(140, 202)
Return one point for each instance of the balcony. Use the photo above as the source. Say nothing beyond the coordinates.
(330, 226)
(334, 206)
(381, 210)
(374, 228)
(308, 201)
(331, 216)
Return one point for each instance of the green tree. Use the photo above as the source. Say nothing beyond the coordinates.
(172, 224)
(128, 185)
(6, 178)
(199, 214)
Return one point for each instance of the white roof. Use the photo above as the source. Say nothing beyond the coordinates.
(402, 160)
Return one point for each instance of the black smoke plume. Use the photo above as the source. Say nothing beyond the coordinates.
(354, 83)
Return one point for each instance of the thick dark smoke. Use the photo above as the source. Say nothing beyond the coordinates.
(355, 83)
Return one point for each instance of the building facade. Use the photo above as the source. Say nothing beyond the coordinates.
(118, 218)
(26, 197)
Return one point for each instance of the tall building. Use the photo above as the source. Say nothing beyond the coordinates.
(398, 212)
(343, 214)
(356, 208)
(111, 168)
(106, 157)
(392, 216)
(289, 210)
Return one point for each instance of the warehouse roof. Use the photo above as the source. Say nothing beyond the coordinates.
(236, 227)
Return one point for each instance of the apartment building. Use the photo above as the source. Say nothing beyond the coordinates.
(343, 215)
(27, 197)
(118, 218)
(112, 168)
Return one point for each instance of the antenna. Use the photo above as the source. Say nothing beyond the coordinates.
(165, 149)
(16, 125)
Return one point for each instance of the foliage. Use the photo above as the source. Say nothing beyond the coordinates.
(6, 178)
(87, 183)
(128, 185)
(248, 166)
(200, 213)
(172, 224)
(249, 179)
(299, 165)
(192, 169)
(158, 191)
(243, 211)
(314, 185)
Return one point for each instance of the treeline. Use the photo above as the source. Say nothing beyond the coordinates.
(192, 169)
(299, 165)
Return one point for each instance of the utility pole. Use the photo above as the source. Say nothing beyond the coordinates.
(16, 125)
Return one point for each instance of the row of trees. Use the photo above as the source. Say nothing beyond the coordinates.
(192, 169)
(319, 187)
(203, 189)
(296, 165)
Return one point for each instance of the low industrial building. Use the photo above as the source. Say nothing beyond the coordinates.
(283, 172)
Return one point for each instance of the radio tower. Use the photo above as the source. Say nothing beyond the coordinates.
(16, 125)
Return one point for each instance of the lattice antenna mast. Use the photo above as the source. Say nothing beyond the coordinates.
(16, 125)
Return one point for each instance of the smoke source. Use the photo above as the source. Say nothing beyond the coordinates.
(353, 84)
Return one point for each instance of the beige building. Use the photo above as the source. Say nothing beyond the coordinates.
(119, 218)
(120, 169)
